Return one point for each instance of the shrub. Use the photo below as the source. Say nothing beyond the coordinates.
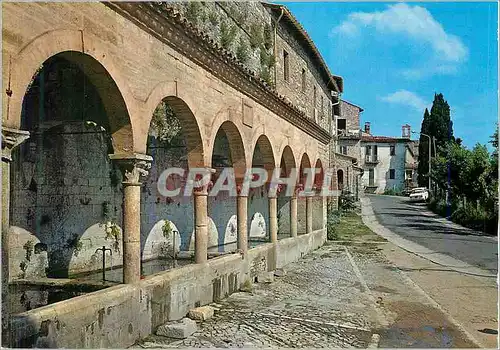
(268, 36)
(393, 192)
(332, 219)
(472, 216)
(346, 202)
(243, 52)
(227, 35)
(194, 11)
(256, 37)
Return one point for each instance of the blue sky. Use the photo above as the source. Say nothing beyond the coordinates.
(395, 56)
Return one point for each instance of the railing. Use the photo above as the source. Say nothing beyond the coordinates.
(371, 158)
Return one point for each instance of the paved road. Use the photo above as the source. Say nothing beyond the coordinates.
(414, 222)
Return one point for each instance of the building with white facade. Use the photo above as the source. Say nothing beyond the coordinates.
(389, 163)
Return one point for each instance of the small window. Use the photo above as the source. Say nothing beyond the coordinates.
(303, 80)
(285, 65)
(314, 97)
(392, 174)
(341, 125)
(393, 150)
(322, 106)
(343, 149)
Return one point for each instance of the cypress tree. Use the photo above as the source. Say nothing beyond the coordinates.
(423, 151)
(438, 125)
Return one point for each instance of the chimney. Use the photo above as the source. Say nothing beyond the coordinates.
(367, 127)
(406, 131)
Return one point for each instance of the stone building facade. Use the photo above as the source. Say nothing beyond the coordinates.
(389, 163)
(347, 147)
(83, 149)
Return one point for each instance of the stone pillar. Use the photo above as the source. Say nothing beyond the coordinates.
(324, 207)
(309, 216)
(242, 214)
(293, 216)
(273, 219)
(11, 138)
(201, 226)
(134, 168)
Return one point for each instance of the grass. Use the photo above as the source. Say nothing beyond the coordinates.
(352, 228)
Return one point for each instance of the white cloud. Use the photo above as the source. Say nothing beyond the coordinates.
(405, 97)
(430, 69)
(415, 22)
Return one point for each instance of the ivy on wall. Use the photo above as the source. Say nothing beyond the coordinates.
(165, 126)
(250, 40)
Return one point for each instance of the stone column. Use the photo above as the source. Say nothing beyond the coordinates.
(273, 219)
(11, 138)
(201, 226)
(134, 168)
(309, 216)
(293, 216)
(324, 207)
(242, 217)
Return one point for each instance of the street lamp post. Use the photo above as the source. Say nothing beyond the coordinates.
(430, 141)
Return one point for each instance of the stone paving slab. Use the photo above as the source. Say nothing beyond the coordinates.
(339, 296)
(317, 303)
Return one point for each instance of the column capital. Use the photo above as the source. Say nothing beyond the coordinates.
(134, 166)
(11, 138)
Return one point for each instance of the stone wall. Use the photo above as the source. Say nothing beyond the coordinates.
(351, 113)
(62, 199)
(119, 316)
(292, 88)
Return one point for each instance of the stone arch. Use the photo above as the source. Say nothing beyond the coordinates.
(318, 178)
(185, 109)
(305, 163)
(94, 60)
(267, 160)
(236, 146)
(190, 130)
(287, 160)
(340, 179)
(228, 118)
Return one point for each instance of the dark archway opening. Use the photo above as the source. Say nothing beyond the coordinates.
(227, 152)
(167, 223)
(65, 192)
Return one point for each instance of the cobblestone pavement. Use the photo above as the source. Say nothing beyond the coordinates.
(335, 297)
(318, 303)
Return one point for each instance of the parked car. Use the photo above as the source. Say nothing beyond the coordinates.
(419, 194)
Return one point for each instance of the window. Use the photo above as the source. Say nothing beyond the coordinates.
(371, 177)
(285, 65)
(392, 174)
(314, 97)
(303, 80)
(341, 125)
(393, 150)
(343, 149)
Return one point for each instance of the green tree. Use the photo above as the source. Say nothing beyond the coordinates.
(447, 168)
(439, 126)
(423, 151)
